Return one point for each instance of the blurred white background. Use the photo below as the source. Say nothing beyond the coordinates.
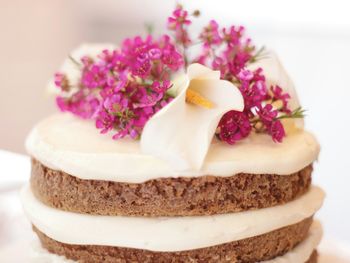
(311, 37)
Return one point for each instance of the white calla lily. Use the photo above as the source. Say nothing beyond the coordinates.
(181, 132)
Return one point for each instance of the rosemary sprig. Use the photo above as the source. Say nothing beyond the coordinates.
(75, 62)
(260, 54)
(149, 28)
(298, 113)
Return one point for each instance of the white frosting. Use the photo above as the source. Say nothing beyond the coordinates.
(299, 254)
(66, 143)
(166, 233)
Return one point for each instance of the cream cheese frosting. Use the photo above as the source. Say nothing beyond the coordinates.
(299, 254)
(64, 142)
(166, 233)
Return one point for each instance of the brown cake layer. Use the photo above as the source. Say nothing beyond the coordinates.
(313, 257)
(253, 249)
(204, 195)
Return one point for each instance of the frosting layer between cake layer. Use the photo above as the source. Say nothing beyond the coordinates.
(63, 142)
(166, 233)
(300, 254)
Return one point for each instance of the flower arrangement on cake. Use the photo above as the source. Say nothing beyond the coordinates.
(203, 155)
(122, 88)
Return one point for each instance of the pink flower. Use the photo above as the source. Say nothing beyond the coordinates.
(253, 88)
(109, 59)
(115, 103)
(179, 18)
(245, 75)
(210, 34)
(80, 104)
(239, 60)
(154, 53)
(183, 37)
(267, 114)
(94, 76)
(142, 68)
(233, 127)
(203, 57)
(273, 126)
(178, 23)
(172, 59)
(105, 121)
(277, 94)
(61, 103)
(220, 64)
(276, 130)
(161, 87)
(61, 81)
(233, 35)
(120, 134)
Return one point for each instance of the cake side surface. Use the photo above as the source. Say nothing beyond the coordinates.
(305, 251)
(182, 196)
(313, 258)
(166, 233)
(254, 249)
(66, 143)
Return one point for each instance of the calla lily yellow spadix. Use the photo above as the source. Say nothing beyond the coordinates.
(197, 99)
(182, 131)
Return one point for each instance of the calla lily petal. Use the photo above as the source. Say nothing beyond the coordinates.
(198, 71)
(181, 133)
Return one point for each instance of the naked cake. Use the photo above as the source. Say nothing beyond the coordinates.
(162, 156)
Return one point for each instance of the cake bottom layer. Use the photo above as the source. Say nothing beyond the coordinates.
(268, 247)
(39, 254)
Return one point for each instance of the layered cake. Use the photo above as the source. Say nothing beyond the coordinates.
(162, 156)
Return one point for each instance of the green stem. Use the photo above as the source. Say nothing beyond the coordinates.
(260, 54)
(74, 61)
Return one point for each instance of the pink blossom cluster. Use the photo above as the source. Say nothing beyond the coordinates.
(178, 22)
(122, 88)
(230, 52)
(259, 114)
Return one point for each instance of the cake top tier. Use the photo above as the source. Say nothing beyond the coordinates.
(174, 100)
(64, 142)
